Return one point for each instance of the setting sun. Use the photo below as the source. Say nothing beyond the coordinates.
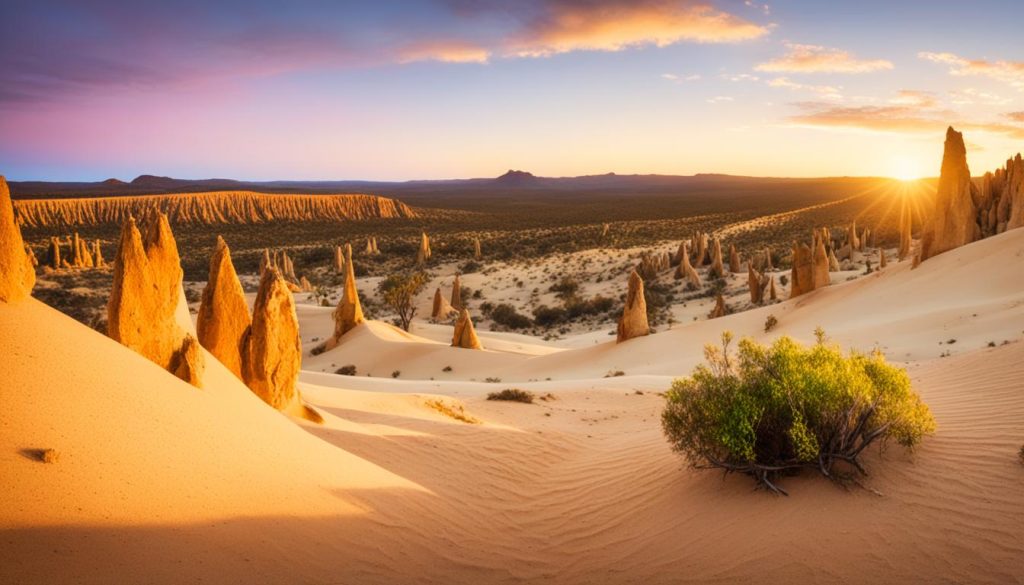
(905, 169)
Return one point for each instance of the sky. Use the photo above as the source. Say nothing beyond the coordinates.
(431, 89)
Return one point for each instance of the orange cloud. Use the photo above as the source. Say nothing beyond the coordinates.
(910, 97)
(817, 59)
(1016, 116)
(601, 25)
(445, 52)
(910, 119)
(1011, 72)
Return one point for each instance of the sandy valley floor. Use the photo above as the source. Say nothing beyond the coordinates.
(162, 483)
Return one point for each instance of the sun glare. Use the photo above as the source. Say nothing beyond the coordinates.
(905, 169)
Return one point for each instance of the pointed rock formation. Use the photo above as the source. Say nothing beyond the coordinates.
(287, 267)
(369, 246)
(477, 254)
(717, 269)
(423, 253)
(53, 259)
(31, 256)
(457, 294)
(833, 262)
(604, 230)
(952, 223)
(771, 289)
(273, 349)
(464, 335)
(820, 260)
(224, 319)
(349, 312)
(189, 363)
(756, 282)
(143, 312)
(881, 258)
(687, 271)
(768, 260)
(699, 245)
(633, 322)
(305, 285)
(906, 226)
(265, 262)
(17, 274)
(734, 260)
(339, 260)
(442, 309)
(680, 253)
(851, 236)
(720, 310)
(810, 267)
(97, 255)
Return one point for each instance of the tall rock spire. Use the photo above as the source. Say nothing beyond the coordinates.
(953, 219)
(633, 322)
(349, 312)
(17, 274)
(224, 320)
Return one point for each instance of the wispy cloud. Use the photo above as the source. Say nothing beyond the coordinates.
(970, 95)
(675, 78)
(1016, 116)
(719, 99)
(826, 91)
(910, 118)
(1011, 72)
(818, 59)
(147, 46)
(916, 98)
(739, 77)
(561, 26)
(445, 52)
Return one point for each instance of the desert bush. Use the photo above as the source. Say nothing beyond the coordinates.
(546, 316)
(770, 323)
(505, 314)
(513, 395)
(399, 292)
(772, 410)
(565, 288)
(349, 370)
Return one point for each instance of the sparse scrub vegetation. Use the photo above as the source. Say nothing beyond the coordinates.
(512, 395)
(770, 322)
(771, 410)
(506, 315)
(455, 411)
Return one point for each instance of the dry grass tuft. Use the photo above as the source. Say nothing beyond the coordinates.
(455, 411)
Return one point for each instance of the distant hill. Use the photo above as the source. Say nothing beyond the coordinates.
(510, 183)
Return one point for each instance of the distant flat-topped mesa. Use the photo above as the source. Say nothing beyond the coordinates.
(212, 208)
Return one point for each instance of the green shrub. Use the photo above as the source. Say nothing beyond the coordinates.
(546, 316)
(505, 314)
(513, 395)
(773, 410)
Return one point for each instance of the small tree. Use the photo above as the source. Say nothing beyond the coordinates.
(774, 410)
(399, 293)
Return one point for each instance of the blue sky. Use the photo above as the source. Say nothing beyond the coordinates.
(459, 88)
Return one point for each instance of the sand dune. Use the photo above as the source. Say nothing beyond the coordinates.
(971, 295)
(213, 208)
(159, 482)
